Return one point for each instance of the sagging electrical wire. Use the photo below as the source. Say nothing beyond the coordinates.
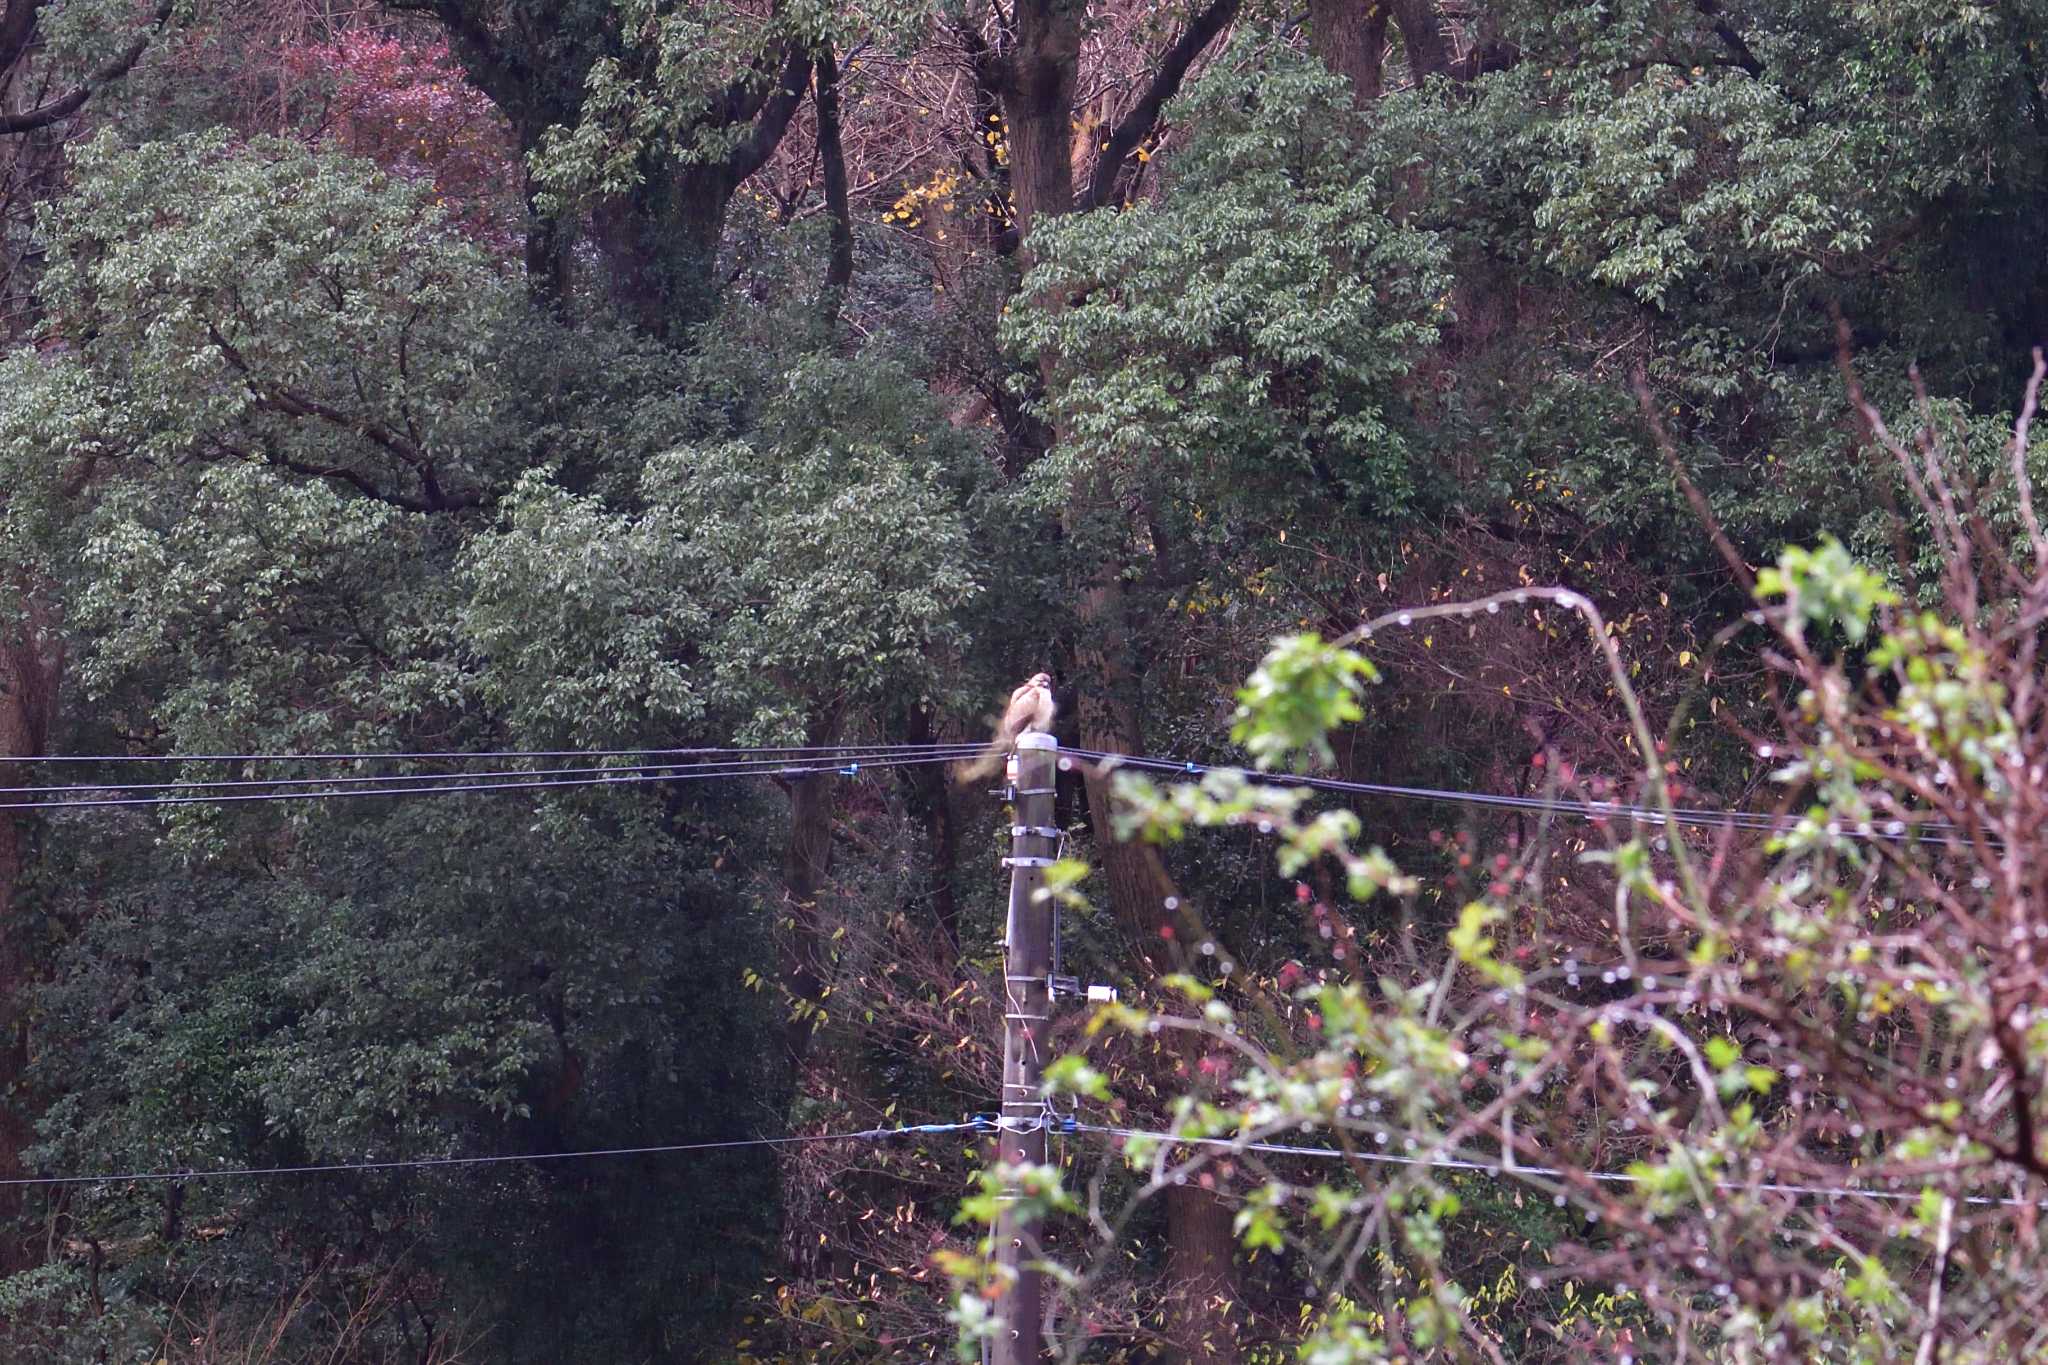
(807, 760)
(1519, 1170)
(979, 1124)
(1892, 830)
(369, 756)
(316, 789)
(867, 756)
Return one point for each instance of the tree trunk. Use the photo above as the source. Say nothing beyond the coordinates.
(1422, 34)
(547, 246)
(1038, 102)
(659, 244)
(1202, 1305)
(932, 798)
(1037, 83)
(1350, 39)
(1202, 1297)
(832, 156)
(806, 861)
(31, 665)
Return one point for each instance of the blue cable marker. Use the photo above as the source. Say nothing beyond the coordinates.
(850, 770)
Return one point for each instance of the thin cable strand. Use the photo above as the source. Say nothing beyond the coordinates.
(421, 1163)
(1552, 1172)
(628, 780)
(765, 762)
(864, 757)
(1588, 810)
(368, 756)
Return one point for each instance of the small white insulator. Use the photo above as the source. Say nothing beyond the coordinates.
(1102, 995)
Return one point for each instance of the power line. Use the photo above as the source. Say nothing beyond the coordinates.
(408, 786)
(1892, 830)
(1550, 1172)
(422, 1163)
(797, 761)
(866, 757)
(367, 756)
(1591, 809)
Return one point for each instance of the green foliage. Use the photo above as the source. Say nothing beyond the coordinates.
(1825, 587)
(763, 581)
(287, 461)
(1304, 689)
(265, 304)
(1249, 328)
(281, 425)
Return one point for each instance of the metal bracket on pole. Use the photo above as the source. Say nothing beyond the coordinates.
(1029, 862)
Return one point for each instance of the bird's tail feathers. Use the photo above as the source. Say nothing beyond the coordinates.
(983, 767)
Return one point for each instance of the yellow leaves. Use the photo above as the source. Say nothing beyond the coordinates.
(1684, 658)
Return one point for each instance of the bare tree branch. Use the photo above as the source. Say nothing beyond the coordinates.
(1730, 39)
(773, 120)
(72, 100)
(832, 153)
(1165, 84)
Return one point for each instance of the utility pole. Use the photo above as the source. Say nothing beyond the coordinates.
(1027, 1007)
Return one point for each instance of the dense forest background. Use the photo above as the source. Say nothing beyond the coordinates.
(434, 376)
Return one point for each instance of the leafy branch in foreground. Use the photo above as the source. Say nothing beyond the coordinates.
(1786, 1104)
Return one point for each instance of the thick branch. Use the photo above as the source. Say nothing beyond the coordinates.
(1166, 82)
(774, 118)
(988, 103)
(72, 100)
(485, 59)
(1350, 38)
(360, 483)
(1422, 33)
(1730, 39)
(832, 155)
(435, 499)
(17, 26)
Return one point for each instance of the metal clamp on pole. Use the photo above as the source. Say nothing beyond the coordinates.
(1029, 862)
